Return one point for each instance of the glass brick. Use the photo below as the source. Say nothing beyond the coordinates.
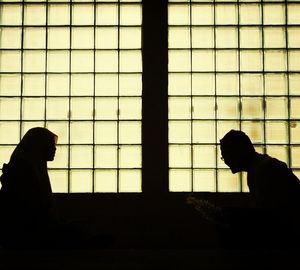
(204, 156)
(228, 108)
(250, 37)
(11, 132)
(10, 38)
(294, 60)
(179, 156)
(251, 84)
(278, 151)
(81, 132)
(180, 180)
(26, 125)
(223, 127)
(276, 132)
(250, 14)
(203, 84)
(59, 181)
(35, 14)
(275, 60)
(34, 38)
(82, 37)
(203, 108)
(130, 14)
(83, 14)
(34, 85)
(228, 182)
(276, 108)
(294, 84)
(227, 84)
(130, 156)
(106, 108)
(81, 181)
(274, 14)
(57, 84)
(179, 108)
(130, 84)
(295, 156)
(252, 108)
(274, 37)
(82, 61)
(179, 37)
(251, 60)
(106, 132)
(179, 60)
(10, 61)
(106, 38)
(203, 132)
(5, 153)
(179, 14)
(58, 61)
(10, 108)
(130, 61)
(106, 61)
(107, 14)
(61, 157)
(59, 14)
(179, 84)
(202, 37)
(226, 37)
(226, 14)
(10, 84)
(57, 108)
(293, 34)
(294, 132)
(81, 108)
(204, 181)
(58, 38)
(293, 10)
(130, 108)
(275, 84)
(179, 132)
(34, 61)
(202, 60)
(61, 129)
(130, 132)
(255, 130)
(11, 14)
(130, 181)
(106, 181)
(33, 109)
(82, 84)
(294, 107)
(106, 84)
(81, 156)
(201, 15)
(227, 60)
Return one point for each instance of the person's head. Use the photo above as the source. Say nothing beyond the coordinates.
(237, 150)
(38, 144)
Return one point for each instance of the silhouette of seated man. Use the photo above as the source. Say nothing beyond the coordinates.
(274, 187)
(29, 216)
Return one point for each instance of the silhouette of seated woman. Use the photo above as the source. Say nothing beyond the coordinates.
(273, 186)
(29, 214)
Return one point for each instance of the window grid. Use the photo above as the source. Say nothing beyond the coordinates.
(183, 26)
(90, 99)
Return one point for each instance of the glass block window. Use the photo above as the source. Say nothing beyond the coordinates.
(232, 65)
(75, 67)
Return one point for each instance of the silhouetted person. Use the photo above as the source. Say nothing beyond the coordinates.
(274, 187)
(29, 217)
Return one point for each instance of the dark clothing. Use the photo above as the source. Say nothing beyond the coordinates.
(272, 184)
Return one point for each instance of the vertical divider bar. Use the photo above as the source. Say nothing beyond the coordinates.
(22, 72)
(289, 153)
(94, 94)
(46, 66)
(216, 102)
(118, 102)
(70, 93)
(191, 85)
(240, 104)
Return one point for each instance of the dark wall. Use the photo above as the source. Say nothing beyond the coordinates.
(138, 221)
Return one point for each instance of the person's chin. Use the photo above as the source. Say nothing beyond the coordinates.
(234, 170)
